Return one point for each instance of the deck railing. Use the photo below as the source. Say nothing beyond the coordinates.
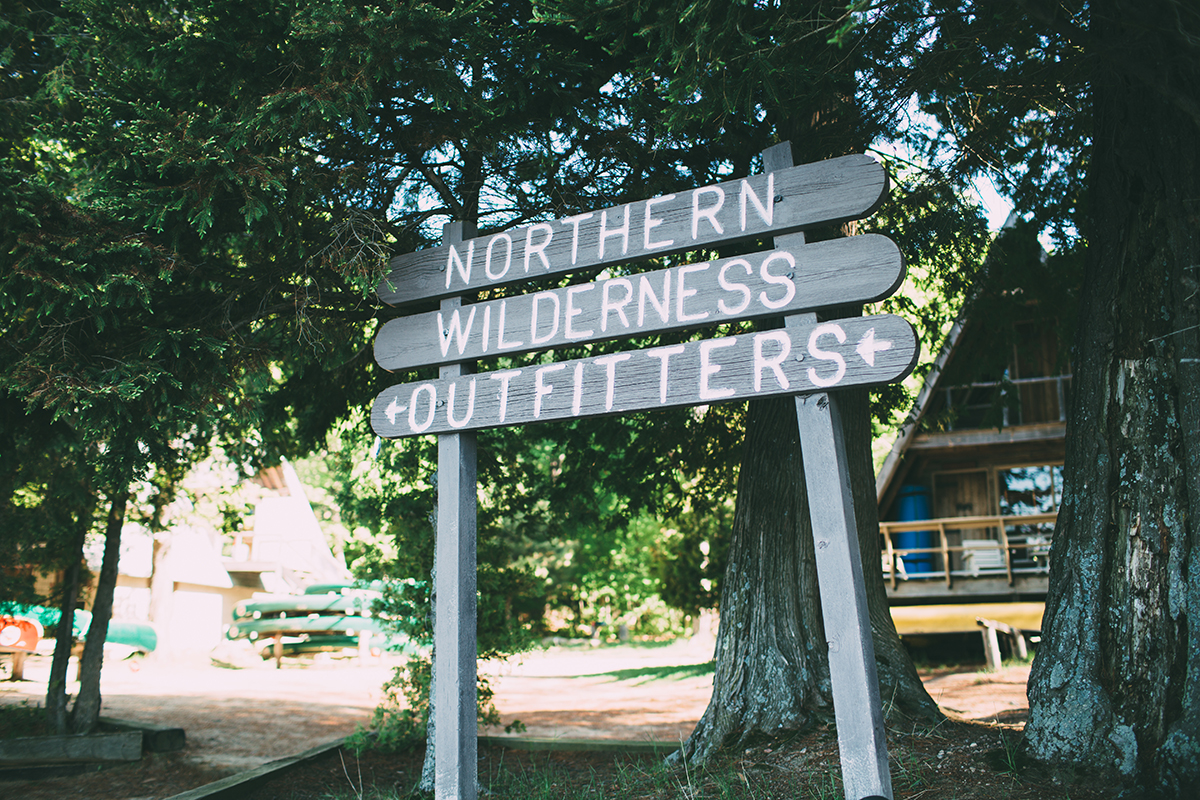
(998, 553)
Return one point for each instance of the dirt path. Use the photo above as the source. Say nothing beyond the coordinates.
(238, 718)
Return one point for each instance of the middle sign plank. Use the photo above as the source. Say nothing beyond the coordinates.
(822, 356)
(856, 269)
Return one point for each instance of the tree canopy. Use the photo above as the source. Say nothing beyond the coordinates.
(196, 199)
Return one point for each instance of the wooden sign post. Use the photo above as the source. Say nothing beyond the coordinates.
(807, 358)
(857, 710)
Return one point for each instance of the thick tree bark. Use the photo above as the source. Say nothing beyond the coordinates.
(1116, 683)
(86, 712)
(56, 690)
(772, 668)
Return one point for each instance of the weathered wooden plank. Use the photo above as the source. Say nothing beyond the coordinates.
(862, 743)
(454, 684)
(849, 352)
(155, 738)
(71, 749)
(785, 280)
(784, 201)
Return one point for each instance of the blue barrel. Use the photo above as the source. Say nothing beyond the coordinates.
(913, 505)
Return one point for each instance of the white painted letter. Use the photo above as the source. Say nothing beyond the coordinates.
(470, 407)
(574, 221)
(412, 408)
(663, 305)
(651, 222)
(572, 311)
(454, 331)
(662, 354)
(540, 389)
(533, 318)
(487, 326)
(577, 397)
(455, 259)
(505, 377)
(539, 249)
(734, 287)
(500, 343)
(610, 363)
(761, 362)
(765, 213)
(487, 262)
(608, 305)
(826, 355)
(707, 369)
(710, 213)
(605, 233)
(682, 293)
(780, 280)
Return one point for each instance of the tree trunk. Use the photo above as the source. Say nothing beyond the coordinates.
(56, 690)
(772, 668)
(86, 711)
(1116, 683)
(900, 686)
(162, 587)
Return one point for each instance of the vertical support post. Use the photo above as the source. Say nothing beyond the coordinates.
(991, 648)
(456, 769)
(862, 744)
(856, 702)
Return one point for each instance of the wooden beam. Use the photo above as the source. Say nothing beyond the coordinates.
(858, 711)
(456, 767)
(785, 201)
(767, 284)
(802, 358)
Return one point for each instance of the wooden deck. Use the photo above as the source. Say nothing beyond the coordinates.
(969, 559)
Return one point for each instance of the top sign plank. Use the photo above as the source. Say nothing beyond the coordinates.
(781, 202)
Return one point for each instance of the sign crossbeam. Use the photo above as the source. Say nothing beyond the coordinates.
(850, 352)
(785, 280)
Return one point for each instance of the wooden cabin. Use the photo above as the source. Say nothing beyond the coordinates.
(969, 494)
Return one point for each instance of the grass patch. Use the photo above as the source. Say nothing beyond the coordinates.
(648, 674)
(21, 719)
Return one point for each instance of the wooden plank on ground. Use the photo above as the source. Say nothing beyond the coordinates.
(155, 738)
(99, 747)
(785, 280)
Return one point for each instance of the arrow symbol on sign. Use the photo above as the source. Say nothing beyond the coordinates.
(868, 347)
(393, 409)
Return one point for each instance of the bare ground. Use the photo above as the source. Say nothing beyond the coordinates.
(247, 713)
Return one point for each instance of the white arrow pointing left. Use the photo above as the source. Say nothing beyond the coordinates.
(868, 346)
(393, 409)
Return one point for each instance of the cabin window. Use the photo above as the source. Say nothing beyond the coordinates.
(1025, 491)
(1030, 490)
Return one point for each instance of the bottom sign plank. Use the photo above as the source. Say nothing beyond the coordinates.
(824, 356)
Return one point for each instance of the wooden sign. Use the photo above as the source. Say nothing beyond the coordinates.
(785, 280)
(830, 355)
(780, 202)
(805, 358)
